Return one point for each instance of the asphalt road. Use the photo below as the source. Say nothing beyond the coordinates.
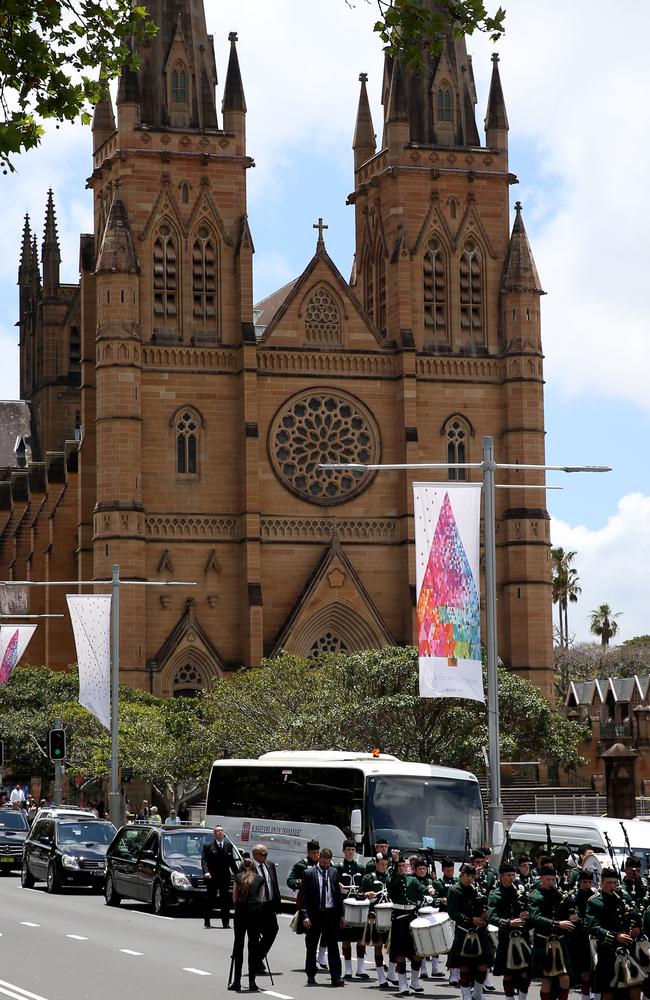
(71, 946)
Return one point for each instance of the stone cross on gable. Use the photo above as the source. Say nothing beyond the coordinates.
(320, 226)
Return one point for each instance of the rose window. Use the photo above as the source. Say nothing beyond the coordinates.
(327, 643)
(323, 427)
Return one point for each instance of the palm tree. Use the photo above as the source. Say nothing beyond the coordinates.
(565, 588)
(604, 624)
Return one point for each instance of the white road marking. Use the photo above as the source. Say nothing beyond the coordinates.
(28, 923)
(19, 991)
(76, 937)
(128, 951)
(280, 996)
(198, 972)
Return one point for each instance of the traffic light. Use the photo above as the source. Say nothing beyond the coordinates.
(56, 744)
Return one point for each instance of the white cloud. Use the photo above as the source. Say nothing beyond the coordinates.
(612, 564)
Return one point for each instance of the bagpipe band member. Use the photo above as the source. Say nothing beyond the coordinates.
(615, 924)
(513, 955)
(553, 919)
(471, 951)
(350, 874)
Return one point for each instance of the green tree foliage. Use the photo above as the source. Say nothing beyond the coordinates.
(414, 27)
(604, 624)
(370, 699)
(50, 54)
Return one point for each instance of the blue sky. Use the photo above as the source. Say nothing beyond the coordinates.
(578, 143)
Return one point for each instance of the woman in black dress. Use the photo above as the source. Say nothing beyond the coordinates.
(247, 898)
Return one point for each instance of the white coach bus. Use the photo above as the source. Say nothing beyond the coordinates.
(287, 798)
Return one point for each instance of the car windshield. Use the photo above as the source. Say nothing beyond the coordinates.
(185, 844)
(12, 819)
(86, 833)
(415, 812)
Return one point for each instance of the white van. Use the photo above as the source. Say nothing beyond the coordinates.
(569, 832)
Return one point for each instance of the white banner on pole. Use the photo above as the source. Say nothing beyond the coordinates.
(13, 643)
(91, 623)
(447, 544)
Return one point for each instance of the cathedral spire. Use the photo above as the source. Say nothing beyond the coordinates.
(496, 118)
(51, 250)
(35, 269)
(233, 93)
(440, 96)
(520, 273)
(103, 124)
(25, 254)
(363, 144)
(178, 75)
(116, 252)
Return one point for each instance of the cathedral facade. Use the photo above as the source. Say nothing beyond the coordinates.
(173, 427)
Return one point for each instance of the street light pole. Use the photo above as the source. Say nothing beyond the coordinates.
(114, 804)
(58, 768)
(495, 807)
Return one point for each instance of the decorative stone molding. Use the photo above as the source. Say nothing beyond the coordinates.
(324, 363)
(470, 368)
(192, 526)
(321, 529)
(183, 356)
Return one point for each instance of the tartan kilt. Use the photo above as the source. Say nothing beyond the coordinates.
(456, 960)
(401, 939)
(539, 955)
(500, 967)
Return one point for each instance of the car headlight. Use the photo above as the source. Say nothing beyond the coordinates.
(180, 881)
(69, 861)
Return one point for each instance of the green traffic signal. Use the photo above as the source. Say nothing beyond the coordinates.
(56, 744)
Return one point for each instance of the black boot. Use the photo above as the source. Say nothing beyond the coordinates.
(235, 987)
(252, 986)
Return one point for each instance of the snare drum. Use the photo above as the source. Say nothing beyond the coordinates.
(433, 934)
(356, 912)
(383, 913)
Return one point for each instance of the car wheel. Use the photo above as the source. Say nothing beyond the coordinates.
(110, 895)
(26, 879)
(158, 902)
(52, 882)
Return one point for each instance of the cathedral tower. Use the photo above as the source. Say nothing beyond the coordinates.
(442, 277)
(170, 278)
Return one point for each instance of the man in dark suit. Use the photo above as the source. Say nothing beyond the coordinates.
(321, 905)
(272, 901)
(217, 862)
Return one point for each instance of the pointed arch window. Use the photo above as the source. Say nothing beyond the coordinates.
(434, 268)
(323, 318)
(456, 438)
(204, 277)
(443, 104)
(471, 290)
(374, 285)
(165, 276)
(380, 318)
(75, 346)
(187, 443)
(188, 681)
(180, 90)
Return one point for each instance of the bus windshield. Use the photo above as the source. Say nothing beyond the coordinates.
(415, 812)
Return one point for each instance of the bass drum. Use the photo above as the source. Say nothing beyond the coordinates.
(433, 934)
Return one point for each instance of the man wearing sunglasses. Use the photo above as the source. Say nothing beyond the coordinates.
(271, 903)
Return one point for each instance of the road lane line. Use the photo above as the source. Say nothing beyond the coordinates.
(76, 937)
(20, 991)
(28, 923)
(128, 951)
(280, 996)
(198, 972)
(10, 993)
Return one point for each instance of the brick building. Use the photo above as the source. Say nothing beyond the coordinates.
(175, 427)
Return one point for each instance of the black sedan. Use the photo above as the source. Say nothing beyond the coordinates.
(13, 833)
(158, 865)
(64, 852)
